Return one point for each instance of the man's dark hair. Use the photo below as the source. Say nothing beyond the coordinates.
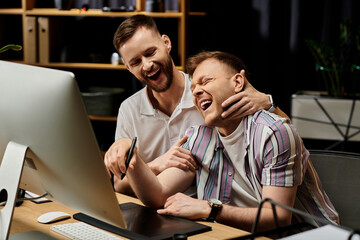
(128, 28)
(229, 59)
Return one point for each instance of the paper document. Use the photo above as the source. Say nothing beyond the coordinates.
(328, 232)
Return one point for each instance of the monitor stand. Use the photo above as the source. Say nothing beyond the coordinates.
(10, 174)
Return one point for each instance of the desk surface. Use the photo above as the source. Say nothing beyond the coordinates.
(25, 219)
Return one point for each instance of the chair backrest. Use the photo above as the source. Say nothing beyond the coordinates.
(339, 173)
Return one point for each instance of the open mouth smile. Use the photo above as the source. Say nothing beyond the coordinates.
(154, 74)
(205, 104)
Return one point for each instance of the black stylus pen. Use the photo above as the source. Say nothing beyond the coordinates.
(129, 156)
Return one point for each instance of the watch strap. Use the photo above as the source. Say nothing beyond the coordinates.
(215, 208)
(273, 106)
(213, 214)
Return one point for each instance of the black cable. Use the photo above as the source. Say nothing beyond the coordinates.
(21, 199)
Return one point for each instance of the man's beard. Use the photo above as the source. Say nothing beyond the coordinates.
(168, 71)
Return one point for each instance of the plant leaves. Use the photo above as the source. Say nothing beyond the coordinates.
(11, 47)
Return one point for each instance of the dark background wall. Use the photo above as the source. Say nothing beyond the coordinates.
(269, 35)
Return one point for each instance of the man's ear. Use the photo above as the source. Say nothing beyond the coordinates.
(167, 42)
(239, 81)
(123, 61)
(126, 65)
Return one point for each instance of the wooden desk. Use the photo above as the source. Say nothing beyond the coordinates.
(25, 219)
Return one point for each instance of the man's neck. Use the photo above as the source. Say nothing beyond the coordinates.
(167, 101)
(228, 126)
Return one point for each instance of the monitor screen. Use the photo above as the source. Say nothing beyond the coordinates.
(42, 108)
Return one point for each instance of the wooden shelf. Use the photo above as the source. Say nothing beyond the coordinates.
(200, 14)
(84, 65)
(103, 118)
(96, 13)
(11, 11)
(34, 55)
(43, 30)
(105, 66)
(91, 13)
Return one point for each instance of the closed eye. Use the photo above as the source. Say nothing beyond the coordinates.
(135, 62)
(150, 53)
(206, 81)
(202, 82)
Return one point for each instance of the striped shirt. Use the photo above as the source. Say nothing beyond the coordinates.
(274, 156)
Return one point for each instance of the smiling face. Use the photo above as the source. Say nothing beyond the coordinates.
(147, 55)
(212, 83)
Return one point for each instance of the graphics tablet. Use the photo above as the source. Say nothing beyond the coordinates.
(145, 223)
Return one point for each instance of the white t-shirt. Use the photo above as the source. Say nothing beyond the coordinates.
(242, 193)
(156, 132)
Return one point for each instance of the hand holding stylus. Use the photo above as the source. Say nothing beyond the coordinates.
(117, 155)
(129, 156)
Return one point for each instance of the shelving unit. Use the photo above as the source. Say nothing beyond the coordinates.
(22, 22)
(29, 9)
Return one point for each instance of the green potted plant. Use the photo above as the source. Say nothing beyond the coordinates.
(339, 65)
(333, 114)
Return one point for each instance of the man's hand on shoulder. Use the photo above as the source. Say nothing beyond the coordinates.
(176, 156)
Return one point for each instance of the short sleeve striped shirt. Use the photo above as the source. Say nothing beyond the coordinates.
(275, 155)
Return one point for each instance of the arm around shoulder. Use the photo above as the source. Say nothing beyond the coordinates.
(279, 112)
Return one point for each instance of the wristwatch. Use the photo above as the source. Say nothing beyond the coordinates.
(273, 106)
(215, 208)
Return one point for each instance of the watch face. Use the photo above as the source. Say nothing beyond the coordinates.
(215, 201)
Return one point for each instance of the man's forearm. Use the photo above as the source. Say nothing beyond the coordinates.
(145, 184)
(153, 190)
(122, 186)
(279, 112)
(244, 218)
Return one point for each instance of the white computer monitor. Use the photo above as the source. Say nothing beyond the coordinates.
(42, 108)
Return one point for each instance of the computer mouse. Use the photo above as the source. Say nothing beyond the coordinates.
(50, 217)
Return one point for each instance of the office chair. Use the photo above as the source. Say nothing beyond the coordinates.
(339, 173)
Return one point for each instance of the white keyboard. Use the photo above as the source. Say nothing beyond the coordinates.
(82, 231)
